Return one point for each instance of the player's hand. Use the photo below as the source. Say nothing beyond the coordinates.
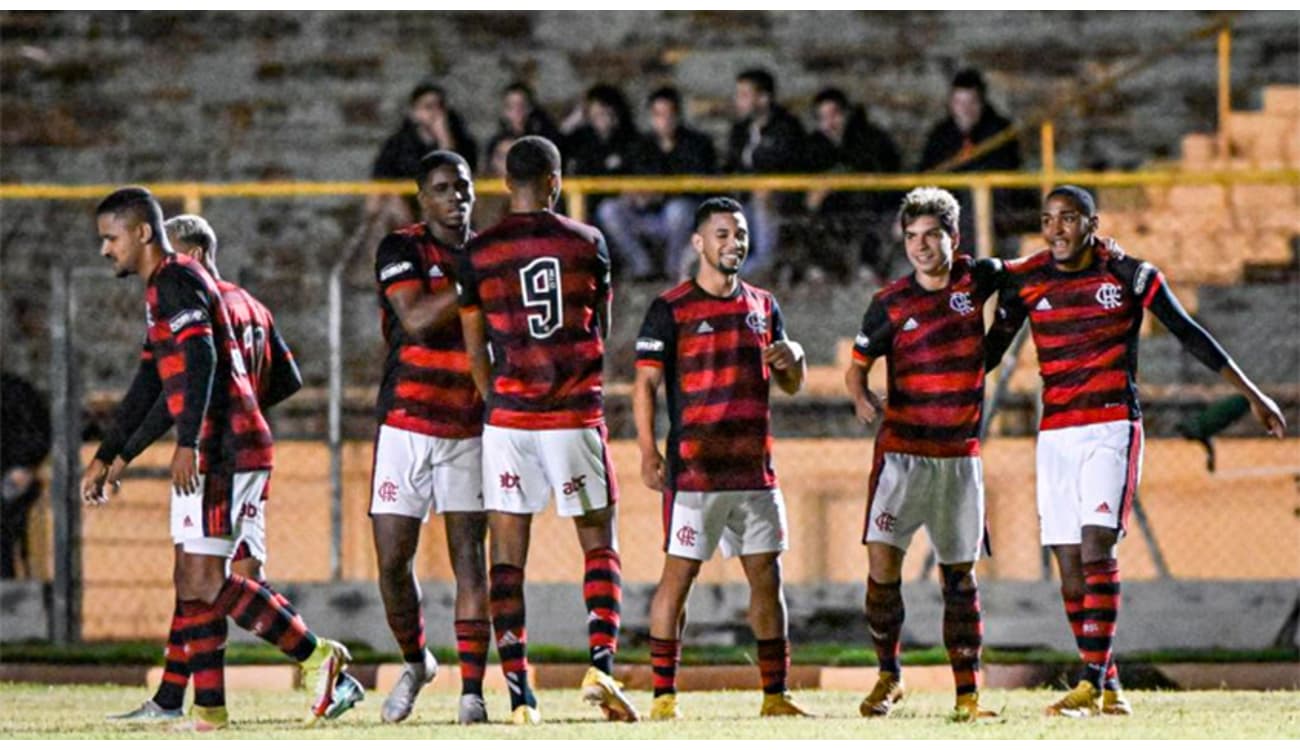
(782, 355)
(1269, 415)
(114, 476)
(185, 470)
(652, 470)
(868, 407)
(92, 483)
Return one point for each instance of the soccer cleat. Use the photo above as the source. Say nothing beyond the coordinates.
(525, 715)
(397, 706)
(326, 663)
(664, 708)
(1113, 703)
(969, 709)
(347, 693)
(1082, 701)
(473, 710)
(148, 712)
(599, 689)
(880, 701)
(782, 704)
(204, 719)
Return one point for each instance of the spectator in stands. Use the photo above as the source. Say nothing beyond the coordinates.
(972, 120)
(24, 444)
(629, 221)
(765, 139)
(606, 142)
(846, 141)
(430, 124)
(520, 116)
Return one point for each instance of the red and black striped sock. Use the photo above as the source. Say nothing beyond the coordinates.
(472, 639)
(204, 633)
(1101, 611)
(506, 603)
(963, 628)
(1074, 615)
(774, 664)
(176, 674)
(665, 655)
(254, 608)
(885, 621)
(602, 591)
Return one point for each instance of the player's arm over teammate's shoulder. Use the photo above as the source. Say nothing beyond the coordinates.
(872, 342)
(400, 275)
(1009, 316)
(656, 341)
(1149, 285)
(784, 356)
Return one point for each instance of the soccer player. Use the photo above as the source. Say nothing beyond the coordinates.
(428, 454)
(1085, 299)
(718, 344)
(221, 462)
(274, 377)
(535, 290)
(926, 471)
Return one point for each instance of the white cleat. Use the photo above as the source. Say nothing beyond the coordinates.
(472, 710)
(399, 703)
(148, 712)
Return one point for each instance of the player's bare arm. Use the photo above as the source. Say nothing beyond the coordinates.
(866, 404)
(648, 380)
(789, 366)
(480, 367)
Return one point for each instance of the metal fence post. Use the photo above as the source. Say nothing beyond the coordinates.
(65, 505)
(336, 418)
(984, 239)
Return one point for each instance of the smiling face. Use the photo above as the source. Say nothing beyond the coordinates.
(929, 246)
(1067, 229)
(447, 196)
(723, 242)
(122, 241)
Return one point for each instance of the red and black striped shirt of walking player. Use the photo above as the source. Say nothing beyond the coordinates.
(718, 387)
(272, 371)
(1085, 326)
(541, 281)
(933, 344)
(192, 358)
(427, 387)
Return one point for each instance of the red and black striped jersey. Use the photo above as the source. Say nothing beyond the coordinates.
(718, 387)
(1085, 326)
(254, 329)
(542, 283)
(426, 386)
(933, 344)
(182, 301)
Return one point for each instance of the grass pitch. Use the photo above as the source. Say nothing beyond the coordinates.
(76, 712)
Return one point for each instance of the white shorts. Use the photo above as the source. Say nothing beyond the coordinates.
(414, 473)
(945, 495)
(522, 468)
(742, 522)
(225, 510)
(1087, 476)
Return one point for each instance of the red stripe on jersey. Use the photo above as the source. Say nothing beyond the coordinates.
(650, 363)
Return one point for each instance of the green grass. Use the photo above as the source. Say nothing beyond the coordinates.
(75, 712)
(828, 654)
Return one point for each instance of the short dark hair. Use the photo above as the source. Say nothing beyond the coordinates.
(831, 94)
(970, 78)
(760, 78)
(426, 87)
(931, 201)
(531, 158)
(1077, 195)
(668, 94)
(140, 204)
(436, 159)
(519, 87)
(720, 204)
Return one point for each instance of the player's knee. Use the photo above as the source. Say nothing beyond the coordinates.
(958, 578)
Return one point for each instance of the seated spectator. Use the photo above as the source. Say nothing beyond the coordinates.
(631, 220)
(24, 443)
(520, 116)
(972, 120)
(606, 143)
(845, 141)
(429, 125)
(765, 139)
